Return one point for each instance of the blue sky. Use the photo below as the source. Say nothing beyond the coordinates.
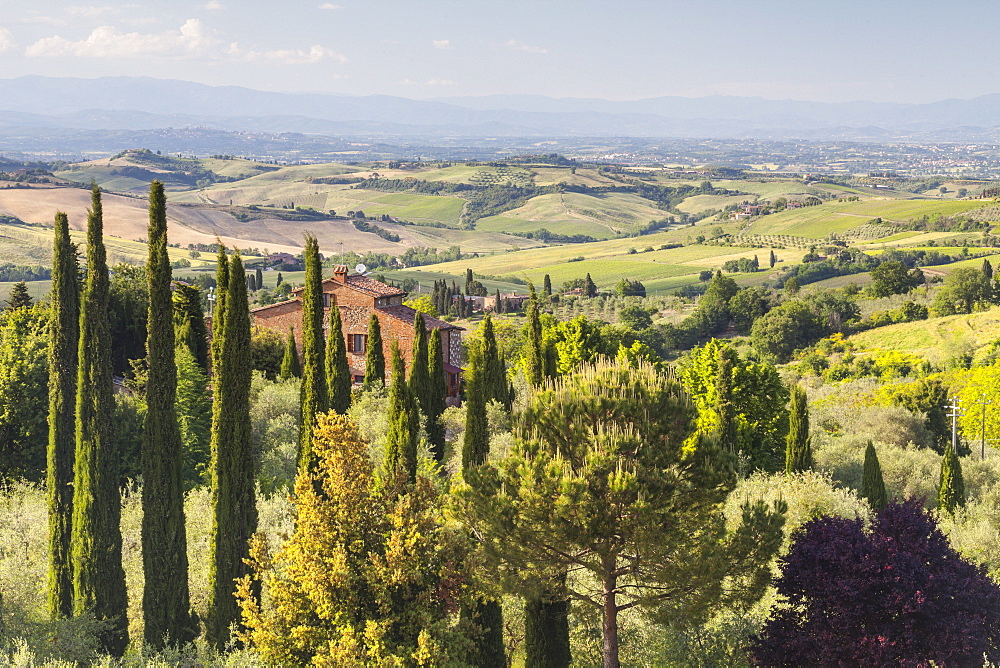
(883, 50)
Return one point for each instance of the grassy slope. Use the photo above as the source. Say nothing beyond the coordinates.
(928, 337)
(601, 217)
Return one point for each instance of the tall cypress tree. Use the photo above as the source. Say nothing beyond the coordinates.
(535, 369)
(951, 491)
(494, 385)
(420, 380)
(98, 576)
(872, 484)
(547, 288)
(64, 342)
(798, 450)
(489, 648)
(259, 278)
(404, 425)
(546, 632)
(374, 356)
(772, 259)
(190, 318)
(314, 395)
(290, 367)
(437, 396)
(338, 372)
(234, 506)
(166, 604)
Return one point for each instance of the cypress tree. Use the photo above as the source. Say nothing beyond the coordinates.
(535, 369)
(98, 576)
(420, 380)
(772, 259)
(290, 366)
(314, 395)
(438, 394)
(278, 281)
(64, 342)
(494, 386)
(951, 491)
(338, 372)
(872, 484)
(259, 278)
(165, 599)
(498, 307)
(589, 287)
(219, 306)
(19, 297)
(547, 288)
(234, 506)
(468, 280)
(187, 309)
(798, 450)
(546, 633)
(374, 356)
(489, 647)
(404, 425)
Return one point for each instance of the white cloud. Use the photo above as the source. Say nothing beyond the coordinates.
(441, 43)
(515, 45)
(43, 20)
(429, 82)
(214, 6)
(89, 11)
(313, 54)
(6, 40)
(191, 39)
(329, 5)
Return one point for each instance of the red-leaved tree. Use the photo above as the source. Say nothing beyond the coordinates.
(895, 595)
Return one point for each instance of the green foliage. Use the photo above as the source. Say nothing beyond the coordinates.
(338, 372)
(19, 297)
(476, 438)
(424, 304)
(785, 328)
(166, 604)
(64, 335)
(374, 355)
(24, 376)
(315, 393)
(190, 319)
(892, 278)
(128, 309)
(951, 491)
(369, 576)
(872, 484)
(194, 419)
(437, 397)
(404, 426)
(798, 450)
(234, 506)
(965, 290)
(494, 385)
(98, 577)
(420, 380)
(534, 362)
(604, 469)
(759, 415)
(290, 367)
(274, 424)
(267, 350)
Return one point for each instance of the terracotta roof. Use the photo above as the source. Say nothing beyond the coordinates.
(407, 314)
(373, 287)
(264, 308)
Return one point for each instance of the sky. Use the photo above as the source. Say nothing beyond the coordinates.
(818, 50)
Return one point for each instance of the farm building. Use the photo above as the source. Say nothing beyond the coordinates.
(358, 298)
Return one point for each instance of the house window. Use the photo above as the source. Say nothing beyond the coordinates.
(326, 300)
(356, 343)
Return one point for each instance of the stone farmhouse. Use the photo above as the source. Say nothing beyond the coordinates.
(358, 297)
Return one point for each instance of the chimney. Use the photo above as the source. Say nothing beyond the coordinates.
(340, 273)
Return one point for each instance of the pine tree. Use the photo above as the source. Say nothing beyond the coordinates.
(494, 386)
(725, 408)
(315, 397)
(420, 380)
(438, 394)
(404, 425)
(290, 367)
(547, 288)
(165, 599)
(98, 575)
(19, 297)
(338, 372)
(535, 369)
(951, 491)
(798, 449)
(872, 484)
(234, 505)
(188, 311)
(64, 342)
(374, 356)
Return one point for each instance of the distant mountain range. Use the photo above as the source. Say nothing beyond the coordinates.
(33, 104)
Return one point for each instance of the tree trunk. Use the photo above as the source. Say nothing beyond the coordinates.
(610, 629)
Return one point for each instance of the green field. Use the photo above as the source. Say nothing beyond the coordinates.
(929, 337)
(36, 289)
(601, 217)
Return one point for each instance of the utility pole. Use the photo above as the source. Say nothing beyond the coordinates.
(956, 412)
(985, 402)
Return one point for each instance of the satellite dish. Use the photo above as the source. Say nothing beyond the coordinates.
(361, 269)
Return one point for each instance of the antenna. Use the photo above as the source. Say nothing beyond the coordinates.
(361, 269)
